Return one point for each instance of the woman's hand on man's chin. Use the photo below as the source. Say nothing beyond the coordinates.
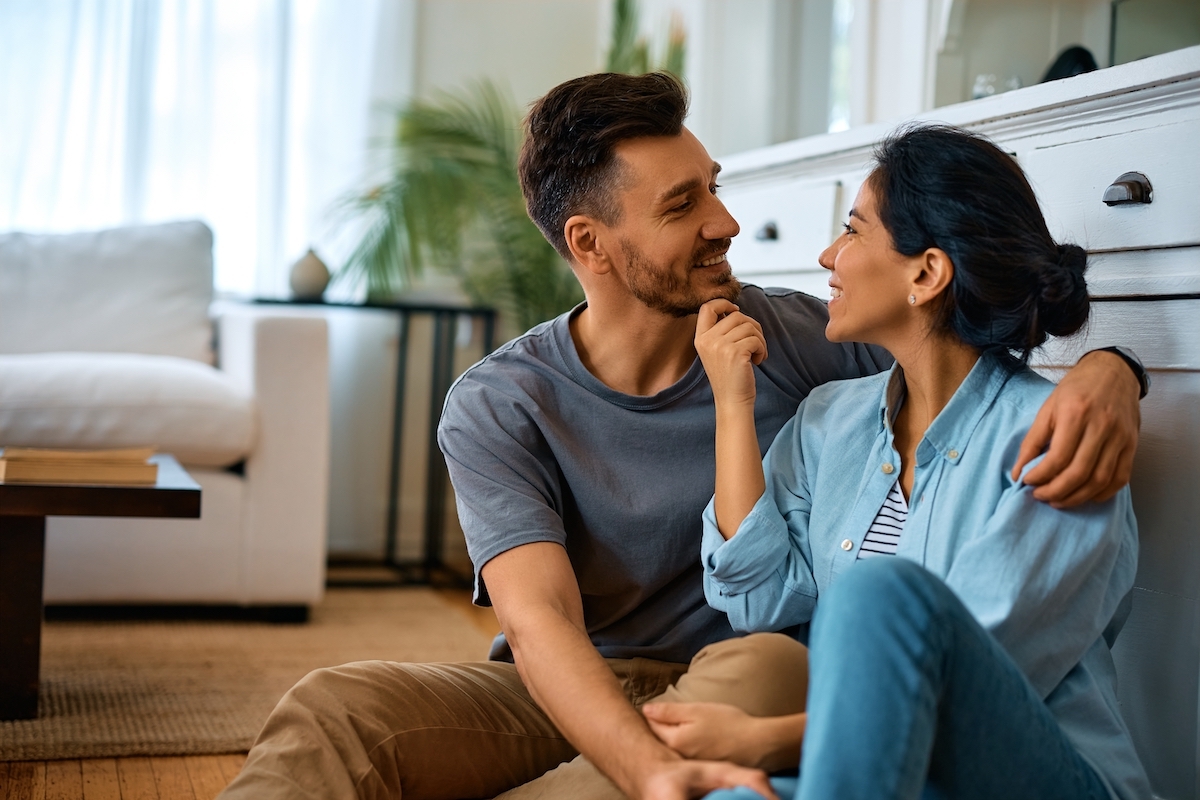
(729, 344)
(722, 732)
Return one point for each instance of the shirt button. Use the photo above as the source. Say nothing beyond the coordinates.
(888, 469)
(953, 454)
(847, 544)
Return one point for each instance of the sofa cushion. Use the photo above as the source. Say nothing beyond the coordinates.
(142, 289)
(88, 400)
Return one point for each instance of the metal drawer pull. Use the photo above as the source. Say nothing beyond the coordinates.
(1131, 187)
(768, 233)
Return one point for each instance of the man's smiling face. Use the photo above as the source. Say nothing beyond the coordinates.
(673, 231)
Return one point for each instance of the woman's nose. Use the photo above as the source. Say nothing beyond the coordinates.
(829, 254)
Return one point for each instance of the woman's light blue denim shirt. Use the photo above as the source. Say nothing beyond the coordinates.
(1052, 586)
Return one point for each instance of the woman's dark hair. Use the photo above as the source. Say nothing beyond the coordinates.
(567, 165)
(939, 186)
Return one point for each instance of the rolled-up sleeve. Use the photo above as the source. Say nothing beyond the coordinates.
(762, 577)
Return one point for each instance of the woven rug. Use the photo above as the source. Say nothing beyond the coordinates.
(186, 688)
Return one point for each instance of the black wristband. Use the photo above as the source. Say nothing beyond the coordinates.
(1135, 364)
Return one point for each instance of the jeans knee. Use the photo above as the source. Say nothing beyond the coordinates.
(887, 579)
(909, 592)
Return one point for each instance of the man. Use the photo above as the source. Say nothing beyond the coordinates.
(582, 456)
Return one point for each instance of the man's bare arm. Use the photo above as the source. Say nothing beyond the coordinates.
(1090, 423)
(536, 598)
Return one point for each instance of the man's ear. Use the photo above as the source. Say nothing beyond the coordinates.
(583, 234)
(933, 276)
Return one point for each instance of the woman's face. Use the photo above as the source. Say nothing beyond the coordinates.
(869, 281)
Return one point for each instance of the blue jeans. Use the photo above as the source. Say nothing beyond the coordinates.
(910, 698)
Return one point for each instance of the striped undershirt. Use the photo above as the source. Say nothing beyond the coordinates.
(884, 535)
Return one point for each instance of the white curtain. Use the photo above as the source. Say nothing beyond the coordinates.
(253, 115)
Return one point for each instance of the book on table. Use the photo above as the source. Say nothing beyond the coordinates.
(128, 466)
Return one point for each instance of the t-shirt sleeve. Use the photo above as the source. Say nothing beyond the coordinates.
(799, 357)
(506, 483)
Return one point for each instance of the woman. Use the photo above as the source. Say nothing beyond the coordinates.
(960, 628)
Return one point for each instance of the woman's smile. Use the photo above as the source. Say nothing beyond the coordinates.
(864, 266)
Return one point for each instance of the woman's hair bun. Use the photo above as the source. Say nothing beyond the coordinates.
(1063, 295)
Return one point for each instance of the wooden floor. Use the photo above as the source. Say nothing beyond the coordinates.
(483, 618)
(172, 778)
(169, 778)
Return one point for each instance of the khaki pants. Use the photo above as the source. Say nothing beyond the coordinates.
(377, 729)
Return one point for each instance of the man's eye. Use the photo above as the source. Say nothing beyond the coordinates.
(848, 228)
(714, 187)
(684, 206)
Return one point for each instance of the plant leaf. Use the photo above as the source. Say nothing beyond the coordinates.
(455, 203)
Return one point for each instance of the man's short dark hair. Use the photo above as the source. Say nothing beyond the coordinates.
(567, 165)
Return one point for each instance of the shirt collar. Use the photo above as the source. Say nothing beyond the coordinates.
(952, 428)
(893, 398)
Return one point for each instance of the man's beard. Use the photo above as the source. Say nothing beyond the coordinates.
(662, 290)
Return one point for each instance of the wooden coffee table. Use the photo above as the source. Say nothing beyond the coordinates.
(23, 511)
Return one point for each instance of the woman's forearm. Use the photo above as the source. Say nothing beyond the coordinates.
(723, 732)
(740, 480)
(782, 738)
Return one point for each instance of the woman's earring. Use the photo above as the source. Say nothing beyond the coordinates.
(912, 299)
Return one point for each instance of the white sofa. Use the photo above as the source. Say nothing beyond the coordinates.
(106, 341)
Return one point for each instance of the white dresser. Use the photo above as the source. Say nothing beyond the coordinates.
(1074, 138)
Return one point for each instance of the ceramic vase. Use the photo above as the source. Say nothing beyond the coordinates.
(309, 277)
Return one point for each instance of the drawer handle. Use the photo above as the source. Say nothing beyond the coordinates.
(1130, 188)
(768, 233)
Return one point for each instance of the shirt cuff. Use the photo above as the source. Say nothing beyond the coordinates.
(752, 555)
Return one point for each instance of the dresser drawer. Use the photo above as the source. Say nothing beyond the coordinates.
(1164, 333)
(1071, 178)
(1171, 271)
(785, 225)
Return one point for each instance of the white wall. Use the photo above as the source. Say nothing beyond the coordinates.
(1150, 27)
(1015, 39)
(888, 45)
(728, 69)
(531, 45)
(757, 69)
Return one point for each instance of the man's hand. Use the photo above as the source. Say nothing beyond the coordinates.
(682, 780)
(729, 343)
(1091, 423)
(723, 732)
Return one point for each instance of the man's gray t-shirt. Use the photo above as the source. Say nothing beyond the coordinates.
(539, 450)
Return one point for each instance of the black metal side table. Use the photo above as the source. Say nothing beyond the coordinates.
(431, 567)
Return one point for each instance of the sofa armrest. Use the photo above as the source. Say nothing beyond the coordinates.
(282, 359)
